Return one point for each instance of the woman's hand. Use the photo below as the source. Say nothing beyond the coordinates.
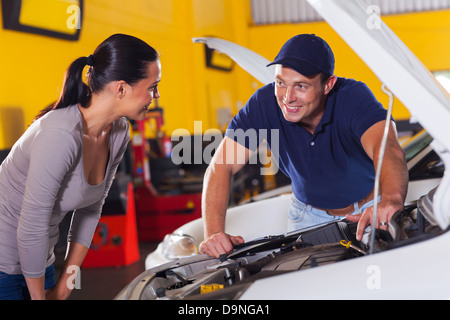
(61, 290)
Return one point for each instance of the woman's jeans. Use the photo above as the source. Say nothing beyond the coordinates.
(14, 286)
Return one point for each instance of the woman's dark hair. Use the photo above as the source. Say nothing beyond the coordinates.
(119, 57)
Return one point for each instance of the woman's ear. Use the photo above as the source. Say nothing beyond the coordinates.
(121, 89)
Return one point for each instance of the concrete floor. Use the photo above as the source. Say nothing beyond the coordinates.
(105, 283)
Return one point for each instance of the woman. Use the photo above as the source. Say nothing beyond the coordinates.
(66, 160)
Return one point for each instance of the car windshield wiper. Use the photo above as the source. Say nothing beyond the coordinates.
(258, 241)
(273, 241)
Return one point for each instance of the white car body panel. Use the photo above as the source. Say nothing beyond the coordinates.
(252, 220)
(416, 188)
(417, 271)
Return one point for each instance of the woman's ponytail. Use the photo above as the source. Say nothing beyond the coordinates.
(74, 90)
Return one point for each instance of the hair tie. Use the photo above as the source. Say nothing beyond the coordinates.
(90, 60)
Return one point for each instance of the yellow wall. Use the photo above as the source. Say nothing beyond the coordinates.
(33, 65)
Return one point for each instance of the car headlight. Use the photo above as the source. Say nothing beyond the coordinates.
(176, 246)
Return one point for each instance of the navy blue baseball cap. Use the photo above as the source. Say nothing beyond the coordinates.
(307, 54)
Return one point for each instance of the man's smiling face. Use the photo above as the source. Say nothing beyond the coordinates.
(300, 98)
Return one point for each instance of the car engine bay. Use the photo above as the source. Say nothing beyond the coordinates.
(203, 277)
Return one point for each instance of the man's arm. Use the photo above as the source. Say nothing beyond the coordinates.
(229, 158)
(393, 176)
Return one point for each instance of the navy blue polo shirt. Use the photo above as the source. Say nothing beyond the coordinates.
(328, 169)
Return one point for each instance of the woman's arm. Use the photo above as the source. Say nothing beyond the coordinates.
(74, 257)
(44, 176)
(36, 288)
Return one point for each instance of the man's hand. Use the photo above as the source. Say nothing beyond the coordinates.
(219, 243)
(385, 211)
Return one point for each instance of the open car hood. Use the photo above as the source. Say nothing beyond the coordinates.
(250, 61)
(391, 61)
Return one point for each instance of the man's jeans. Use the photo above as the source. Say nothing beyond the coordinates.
(301, 215)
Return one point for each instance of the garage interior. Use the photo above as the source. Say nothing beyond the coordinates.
(201, 90)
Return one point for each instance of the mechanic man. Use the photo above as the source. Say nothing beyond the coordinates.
(330, 131)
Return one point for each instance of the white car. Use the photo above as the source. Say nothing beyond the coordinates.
(408, 262)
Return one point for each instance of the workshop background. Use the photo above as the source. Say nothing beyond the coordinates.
(151, 195)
